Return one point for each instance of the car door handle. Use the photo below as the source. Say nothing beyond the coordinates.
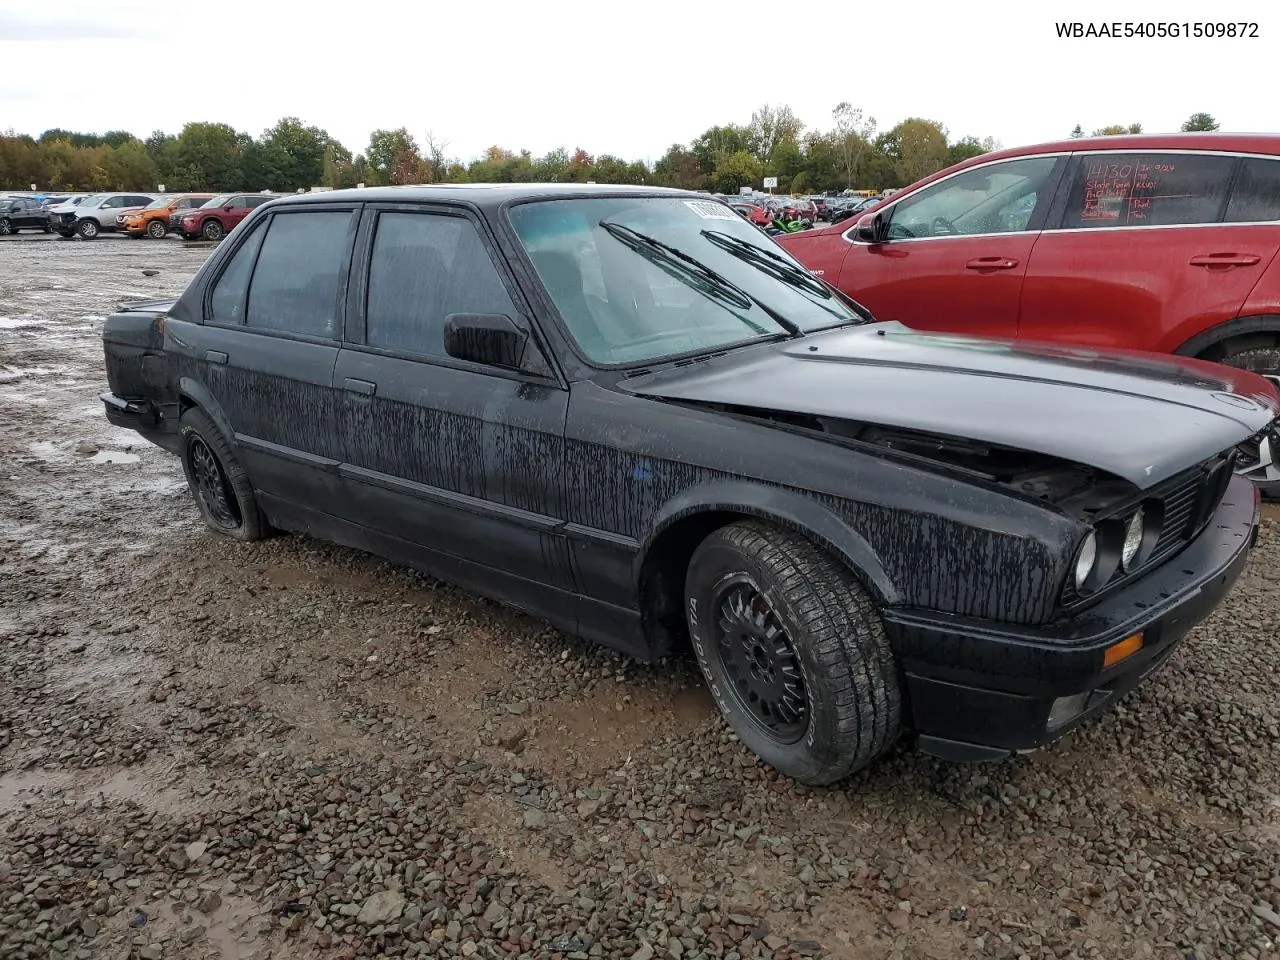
(362, 387)
(1225, 260)
(215, 356)
(991, 263)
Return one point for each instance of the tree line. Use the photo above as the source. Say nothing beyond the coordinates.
(851, 152)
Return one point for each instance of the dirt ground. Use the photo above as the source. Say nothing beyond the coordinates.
(290, 750)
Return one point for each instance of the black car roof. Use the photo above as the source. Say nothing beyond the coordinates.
(485, 195)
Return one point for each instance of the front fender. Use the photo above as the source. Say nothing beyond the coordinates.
(799, 512)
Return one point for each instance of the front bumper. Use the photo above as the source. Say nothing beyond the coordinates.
(980, 691)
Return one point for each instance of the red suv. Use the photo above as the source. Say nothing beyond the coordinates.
(218, 217)
(1162, 243)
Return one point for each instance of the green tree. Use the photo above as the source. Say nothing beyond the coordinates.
(735, 171)
(1117, 129)
(965, 149)
(129, 166)
(720, 142)
(770, 128)
(852, 139)
(679, 167)
(209, 156)
(1200, 123)
(391, 154)
(919, 149)
(296, 153)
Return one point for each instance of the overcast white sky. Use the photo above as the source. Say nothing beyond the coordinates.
(623, 79)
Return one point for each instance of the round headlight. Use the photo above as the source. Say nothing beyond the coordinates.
(1132, 540)
(1086, 559)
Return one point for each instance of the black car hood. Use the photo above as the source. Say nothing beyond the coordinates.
(1139, 416)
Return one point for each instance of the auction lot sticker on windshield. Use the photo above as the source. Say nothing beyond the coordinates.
(710, 211)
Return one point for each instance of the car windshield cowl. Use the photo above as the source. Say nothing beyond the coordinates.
(639, 279)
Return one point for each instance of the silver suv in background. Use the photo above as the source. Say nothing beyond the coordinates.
(94, 213)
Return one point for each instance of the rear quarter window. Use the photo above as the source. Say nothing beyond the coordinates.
(1256, 194)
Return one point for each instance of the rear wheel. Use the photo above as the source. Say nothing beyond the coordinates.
(87, 228)
(156, 229)
(794, 652)
(217, 480)
(212, 230)
(6, 227)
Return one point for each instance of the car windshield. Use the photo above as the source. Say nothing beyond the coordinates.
(221, 201)
(159, 203)
(637, 279)
(93, 200)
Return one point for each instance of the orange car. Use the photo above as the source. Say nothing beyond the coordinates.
(153, 219)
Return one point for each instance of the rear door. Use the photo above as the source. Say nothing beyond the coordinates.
(459, 458)
(1138, 254)
(957, 249)
(267, 349)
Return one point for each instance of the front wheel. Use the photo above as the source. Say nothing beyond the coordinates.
(156, 229)
(6, 227)
(794, 652)
(1260, 457)
(217, 480)
(87, 228)
(212, 230)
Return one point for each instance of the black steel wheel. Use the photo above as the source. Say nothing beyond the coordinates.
(760, 660)
(794, 651)
(216, 479)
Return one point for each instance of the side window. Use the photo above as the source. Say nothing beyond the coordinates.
(228, 299)
(994, 198)
(424, 267)
(139, 201)
(1147, 189)
(1256, 195)
(252, 202)
(295, 285)
(112, 202)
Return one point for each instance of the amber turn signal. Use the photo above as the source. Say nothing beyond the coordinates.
(1122, 649)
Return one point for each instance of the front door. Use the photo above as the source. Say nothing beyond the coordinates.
(1149, 250)
(956, 250)
(462, 460)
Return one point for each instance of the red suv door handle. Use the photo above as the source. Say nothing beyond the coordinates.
(991, 263)
(1225, 260)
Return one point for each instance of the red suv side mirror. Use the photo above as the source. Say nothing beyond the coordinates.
(870, 228)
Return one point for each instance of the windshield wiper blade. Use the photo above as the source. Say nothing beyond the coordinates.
(777, 265)
(725, 288)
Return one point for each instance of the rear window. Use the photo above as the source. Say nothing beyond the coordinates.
(1256, 195)
(1147, 189)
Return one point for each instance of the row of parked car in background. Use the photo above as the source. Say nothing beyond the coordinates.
(790, 214)
(194, 216)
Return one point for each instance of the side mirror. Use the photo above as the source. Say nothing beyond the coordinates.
(228, 208)
(493, 339)
(870, 228)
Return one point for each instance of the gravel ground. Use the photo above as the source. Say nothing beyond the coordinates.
(290, 750)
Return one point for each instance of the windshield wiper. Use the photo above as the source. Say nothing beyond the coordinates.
(773, 263)
(708, 279)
